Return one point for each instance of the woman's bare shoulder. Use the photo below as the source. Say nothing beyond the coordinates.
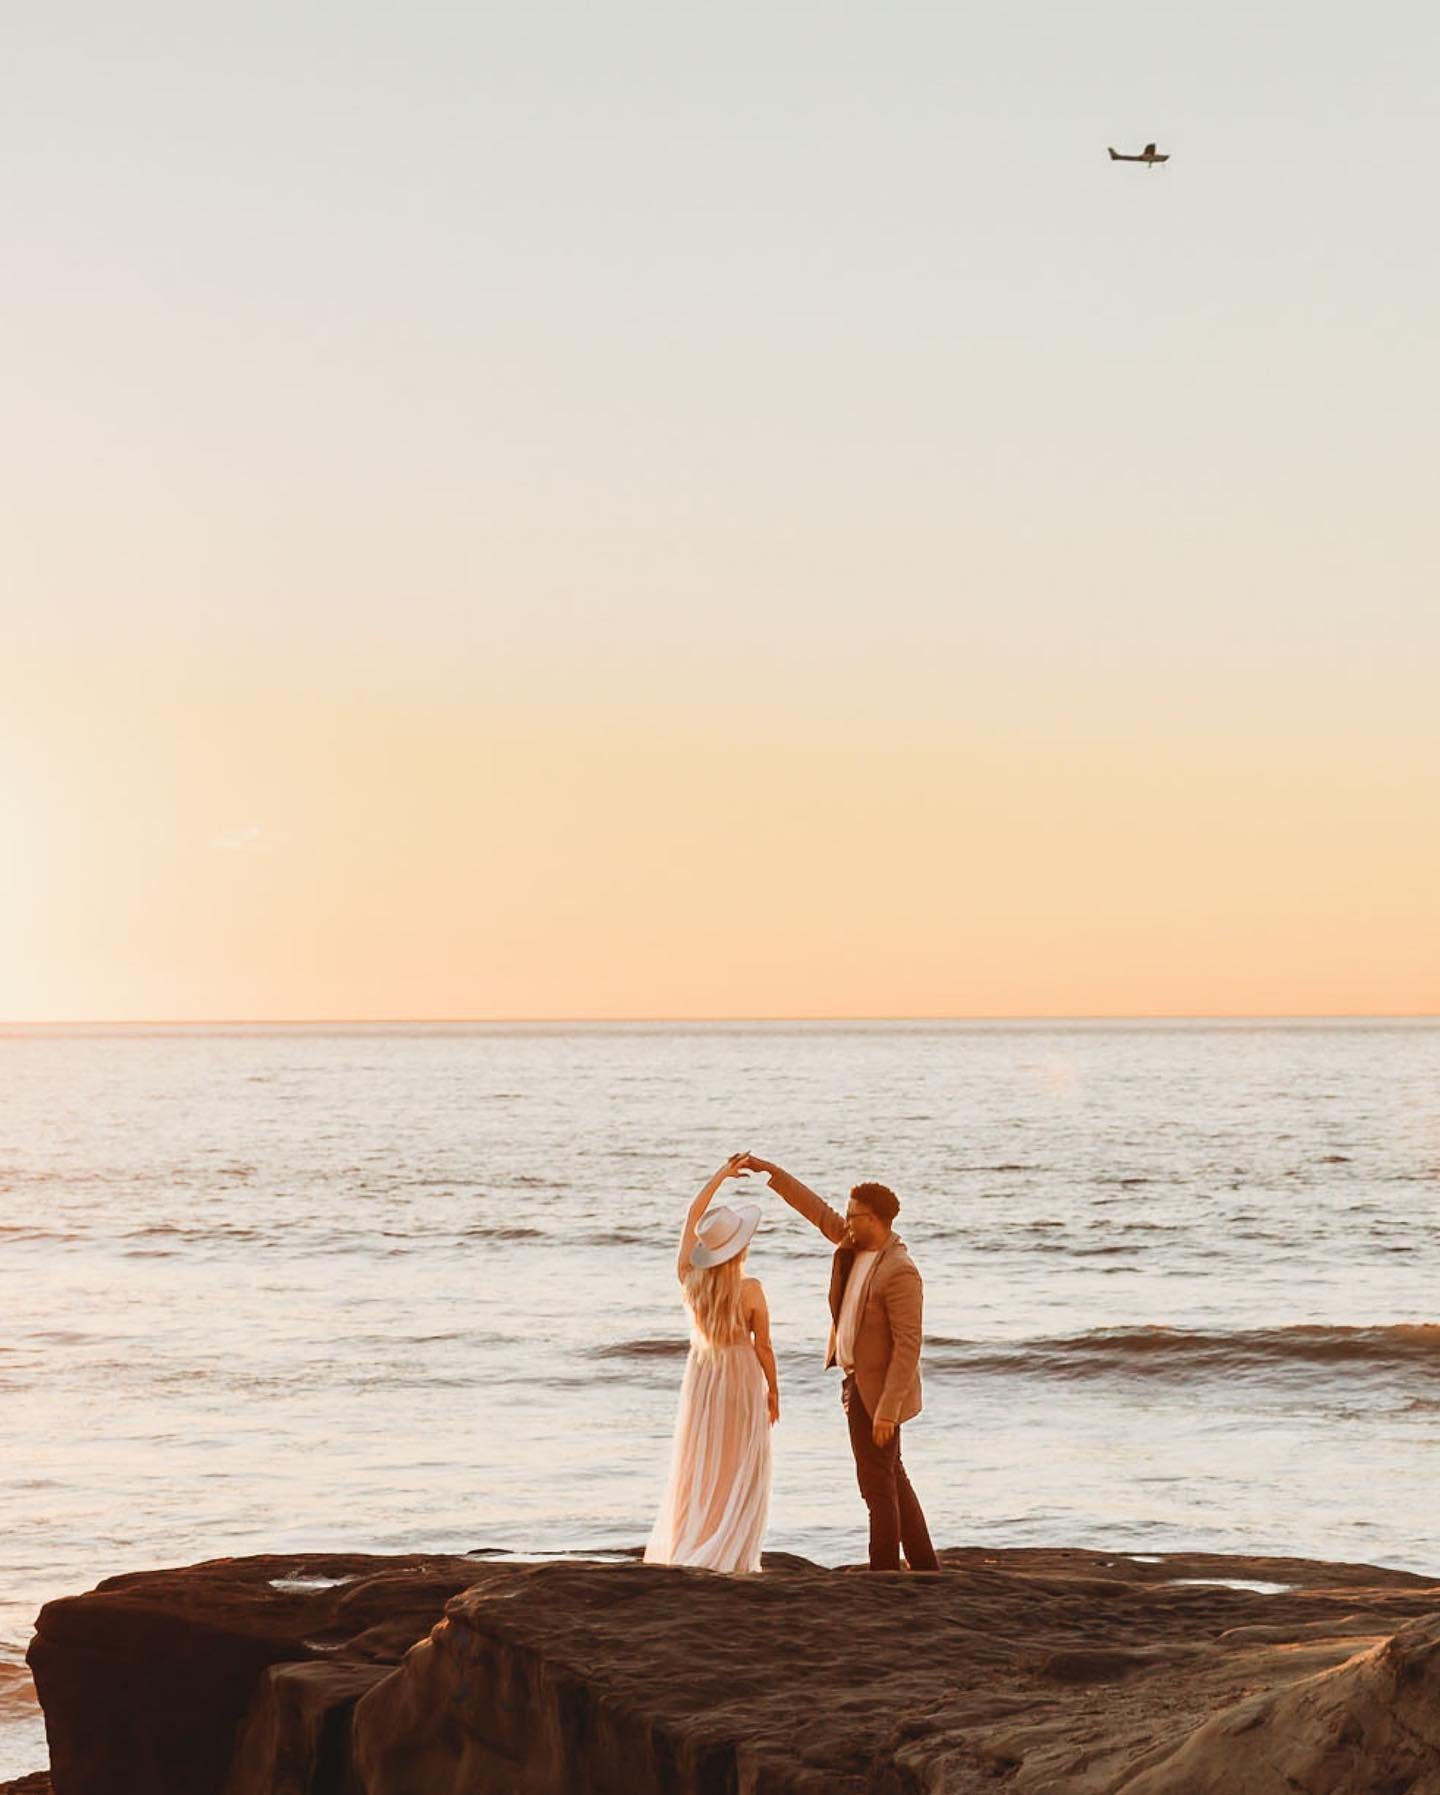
(752, 1287)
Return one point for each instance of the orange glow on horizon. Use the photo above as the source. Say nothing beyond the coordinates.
(298, 851)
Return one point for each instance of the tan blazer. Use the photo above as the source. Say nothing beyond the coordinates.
(890, 1328)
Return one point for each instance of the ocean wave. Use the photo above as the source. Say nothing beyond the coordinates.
(643, 1349)
(471, 1337)
(1005, 1165)
(236, 1231)
(1179, 1352)
(17, 1692)
(480, 1232)
(1144, 1227)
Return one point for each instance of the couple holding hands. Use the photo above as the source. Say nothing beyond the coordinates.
(718, 1494)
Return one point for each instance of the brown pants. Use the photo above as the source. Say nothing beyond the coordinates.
(896, 1516)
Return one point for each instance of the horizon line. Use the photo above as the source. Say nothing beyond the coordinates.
(651, 1021)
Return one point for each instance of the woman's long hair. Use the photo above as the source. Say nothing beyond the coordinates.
(713, 1293)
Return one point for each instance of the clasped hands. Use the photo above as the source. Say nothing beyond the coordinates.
(738, 1164)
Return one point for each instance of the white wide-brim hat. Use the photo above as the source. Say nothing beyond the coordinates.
(723, 1232)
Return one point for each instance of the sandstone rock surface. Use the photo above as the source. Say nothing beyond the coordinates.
(1043, 1673)
(145, 1679)
(1371, 1724)
(1052, 1673)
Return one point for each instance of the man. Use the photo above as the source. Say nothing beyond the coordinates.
(876, 1303)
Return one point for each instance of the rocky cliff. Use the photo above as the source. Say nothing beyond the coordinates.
(145, 1680)
(1047, 1673)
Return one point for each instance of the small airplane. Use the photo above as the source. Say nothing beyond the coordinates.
(1149, 155)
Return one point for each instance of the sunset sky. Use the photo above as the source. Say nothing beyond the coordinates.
(558, 511)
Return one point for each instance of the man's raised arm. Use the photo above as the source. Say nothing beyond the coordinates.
(800, 1197)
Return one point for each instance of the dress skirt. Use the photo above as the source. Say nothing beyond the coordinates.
(718, 1495)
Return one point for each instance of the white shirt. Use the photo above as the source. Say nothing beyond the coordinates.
(850, 1310)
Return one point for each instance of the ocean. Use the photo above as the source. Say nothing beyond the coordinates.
(412, 1288)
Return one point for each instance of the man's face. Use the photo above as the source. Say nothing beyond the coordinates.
(863, 1228)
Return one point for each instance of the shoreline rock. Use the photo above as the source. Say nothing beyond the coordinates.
(144, 1681)
(1057, 1672)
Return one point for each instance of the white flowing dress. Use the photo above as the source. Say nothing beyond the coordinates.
(718, 1497)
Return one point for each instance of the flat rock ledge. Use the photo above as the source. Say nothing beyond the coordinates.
(1035, 1672)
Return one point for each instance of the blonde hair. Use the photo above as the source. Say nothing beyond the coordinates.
(713, 1293)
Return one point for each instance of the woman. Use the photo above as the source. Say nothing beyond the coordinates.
(715, 1505)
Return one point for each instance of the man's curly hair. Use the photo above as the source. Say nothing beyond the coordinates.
(879, 1199)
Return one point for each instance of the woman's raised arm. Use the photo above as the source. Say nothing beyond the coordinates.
(730, 1169)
